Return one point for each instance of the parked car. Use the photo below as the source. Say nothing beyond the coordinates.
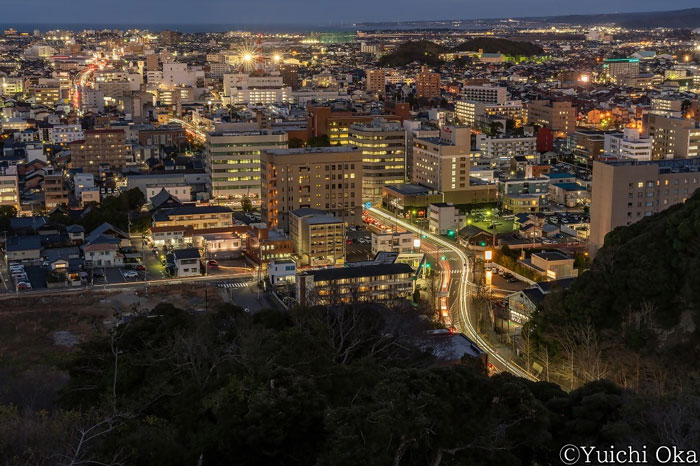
(139, 267)
(212, 264)
(130, 273)
(349, 241)
(24, 286)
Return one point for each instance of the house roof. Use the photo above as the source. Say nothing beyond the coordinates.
(106, 228)
(23, 243)
(21, 223)
(187, 253)
(162, 197)
(357, 272)
(75, 229)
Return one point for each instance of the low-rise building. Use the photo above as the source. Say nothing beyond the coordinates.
(398, 242)
(319, 238)
(282, 272)
(197, 217)
(23, 249)
(445, 219)
(186, 262)
(371, 283)
(554, 265)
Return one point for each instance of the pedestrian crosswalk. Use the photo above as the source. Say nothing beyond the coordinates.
(232, 285)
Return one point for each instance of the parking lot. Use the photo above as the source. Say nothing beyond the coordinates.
(359, 245)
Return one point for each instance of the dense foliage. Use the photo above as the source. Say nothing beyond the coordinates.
(640, 293)
(421, 51)
(504, 46)
(340, 386)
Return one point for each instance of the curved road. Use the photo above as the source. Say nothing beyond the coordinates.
(462, 288)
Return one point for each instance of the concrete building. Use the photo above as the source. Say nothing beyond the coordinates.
(232, 160)
(554, 265)
(521, 195)
(241, 88)
(427, 84)
(485, 94)
(615, 70)
(323, 178)
(55, 191)
(505, 147)
(9, 188)
(673, 137)
(319, 238)
(469, 112)
(445, 219)
(333, 119)
(628, 145)
(196, 217)
(82, 182)
(64, 134)
(443, 163)
(101, 147)
(398, 242)
(375, 81)
(626, 191)
(282, 272)
(383, 146)
(558, 116)
(372, 283)
(587, 144)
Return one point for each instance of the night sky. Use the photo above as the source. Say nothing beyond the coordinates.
(321, 12)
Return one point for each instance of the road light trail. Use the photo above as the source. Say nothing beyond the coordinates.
(463, 295)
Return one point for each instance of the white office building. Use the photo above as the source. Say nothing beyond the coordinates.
(628, 144)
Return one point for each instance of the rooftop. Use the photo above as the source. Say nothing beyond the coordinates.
(313, 150)
(357, 272)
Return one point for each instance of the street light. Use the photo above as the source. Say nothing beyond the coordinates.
(488, 255)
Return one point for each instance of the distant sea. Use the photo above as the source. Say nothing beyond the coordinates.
(185, 27)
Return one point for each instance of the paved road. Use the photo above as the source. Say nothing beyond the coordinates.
(460, 288)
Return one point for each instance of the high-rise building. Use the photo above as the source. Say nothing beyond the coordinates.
(629, 145)
(673, 137)
(485, 94)
(616, 70)
(469, 112)
(505, 147)
(626, 191)
(290, 75)
(427, 84)
(232, 160)
(100, 148)
(443, 163)
(375, 81)
(558, 116)
(383, 146)
(152, 63)
(323, 178)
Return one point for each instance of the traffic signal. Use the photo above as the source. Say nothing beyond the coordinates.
(443, 258)
(450, 233)
(424, 236)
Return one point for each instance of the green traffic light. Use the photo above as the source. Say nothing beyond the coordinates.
(443, 257)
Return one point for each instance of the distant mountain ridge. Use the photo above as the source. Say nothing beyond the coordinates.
(688, 18)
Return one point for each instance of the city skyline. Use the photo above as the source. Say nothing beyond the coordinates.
(299, 13)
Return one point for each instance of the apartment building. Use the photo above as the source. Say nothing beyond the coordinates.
(196, 217)
(442, 163)
(9, 188)
(383, 146)
(55, 191)
(375, 81)
(427, 84)
(371, 283)
(616, 70)
(628, 145)
(587, 145)
(333, 119)
(626, 191)
(100, 148)
(445, 219)
(399, 242)
(468, 112)
(485, 94)
(241, 88)
(319, 238)
(506, 147)
(323, 178)
(673, 137)
(558, 116)
(232, 161)
(64, 134)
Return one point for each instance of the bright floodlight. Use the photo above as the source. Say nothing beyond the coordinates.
(247, 57)
(277, 57)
